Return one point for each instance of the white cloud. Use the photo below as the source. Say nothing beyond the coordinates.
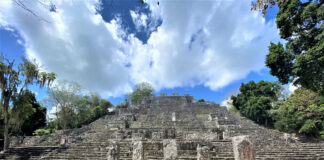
(292, 88)
(140, 20)
(212, 43)
(208, 42)
(76, 44)
(227, 102)
(52, 112)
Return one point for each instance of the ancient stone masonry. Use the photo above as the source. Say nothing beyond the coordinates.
(138, 150)
(166, 128)
(113, 151)
(170, 151)
(243, 148)
(203, 153)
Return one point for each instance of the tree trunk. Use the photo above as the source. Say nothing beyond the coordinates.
(6, 123)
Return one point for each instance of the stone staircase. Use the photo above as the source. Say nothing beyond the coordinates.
(302, 151)
(126, 150)
(270, 145)
(85, 151)
(177, 118)
(33, 153)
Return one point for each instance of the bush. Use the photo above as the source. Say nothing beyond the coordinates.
(122, 105)
(201, 100)
(302, 112)
(42, 132)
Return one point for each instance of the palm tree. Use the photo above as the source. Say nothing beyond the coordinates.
(11, 79)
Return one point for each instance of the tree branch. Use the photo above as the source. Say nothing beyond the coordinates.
(22, 5)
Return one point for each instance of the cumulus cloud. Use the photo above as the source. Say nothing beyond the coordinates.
(75, 43)
(203, 42)
(210, 43)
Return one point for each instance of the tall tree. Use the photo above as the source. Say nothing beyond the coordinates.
(142, 90)
(11, 78)
(301, 60)
(255, 101)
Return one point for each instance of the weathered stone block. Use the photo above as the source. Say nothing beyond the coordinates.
(157, 135)
(138, 136)
(198, 136)
(226, 134)
(243, 148)
(113, 129)
(203, 153)
(170, 151)
(113, 151)
(173, 116)
(138, 150)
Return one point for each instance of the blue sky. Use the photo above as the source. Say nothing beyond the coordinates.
(186, 48)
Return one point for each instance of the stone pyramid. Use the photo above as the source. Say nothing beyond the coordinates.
(168, 128)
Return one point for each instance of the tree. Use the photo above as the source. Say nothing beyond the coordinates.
(301, 61)
(302, 112)
(142, 90)
(83, 112)
(27, 114)
(64, 96)
(264, 5)
(125, 104)
(201, 100)
(73, 108)
(11, 79)
(98, 107)
(49, 6)
(255, 101)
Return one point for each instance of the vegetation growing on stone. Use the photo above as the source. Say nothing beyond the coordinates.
(41, 132)
(142, 90)
(201, 100)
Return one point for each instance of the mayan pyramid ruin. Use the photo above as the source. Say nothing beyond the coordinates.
(167, 128)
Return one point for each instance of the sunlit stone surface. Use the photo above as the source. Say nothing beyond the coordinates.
(166, 127)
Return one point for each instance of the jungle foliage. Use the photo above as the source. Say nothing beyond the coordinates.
(301, 60)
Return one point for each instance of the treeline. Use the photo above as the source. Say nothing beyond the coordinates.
(266, 103)
(15, 99)
(300, 61)
(28, 117)
(22, 115)
(73, 108)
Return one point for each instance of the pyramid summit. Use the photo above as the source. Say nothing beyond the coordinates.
(169, 128)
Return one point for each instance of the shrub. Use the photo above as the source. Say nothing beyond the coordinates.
(41, 132)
